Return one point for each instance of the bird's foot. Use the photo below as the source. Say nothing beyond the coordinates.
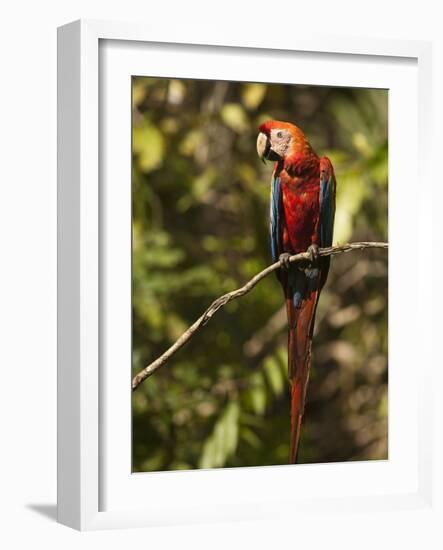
(313, 252)
(284, 260)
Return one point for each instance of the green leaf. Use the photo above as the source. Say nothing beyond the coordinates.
(257, 393)
(274, 375)
(234, 116)
(222, 443)
(149, 145)
(247, 435)
(351, 192)
(253, 94)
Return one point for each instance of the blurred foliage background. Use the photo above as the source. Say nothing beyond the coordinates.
(200, 229)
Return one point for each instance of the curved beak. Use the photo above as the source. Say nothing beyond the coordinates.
(264, 149)
(263, 146)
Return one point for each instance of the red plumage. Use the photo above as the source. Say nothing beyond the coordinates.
(299, 173)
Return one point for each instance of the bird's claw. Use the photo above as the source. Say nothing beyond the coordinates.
(313, 252)
(284, 260)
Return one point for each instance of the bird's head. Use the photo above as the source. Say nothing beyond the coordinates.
(278, 140)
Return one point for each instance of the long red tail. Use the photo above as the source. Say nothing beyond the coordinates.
(300, 329)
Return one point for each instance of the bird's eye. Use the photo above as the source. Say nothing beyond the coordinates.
(279, 134)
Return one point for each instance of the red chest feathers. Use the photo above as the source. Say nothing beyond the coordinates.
(301, 212)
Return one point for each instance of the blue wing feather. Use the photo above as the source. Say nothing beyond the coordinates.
(327, 208)
(276, 219)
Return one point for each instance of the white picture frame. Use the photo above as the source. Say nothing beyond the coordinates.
(95, 487)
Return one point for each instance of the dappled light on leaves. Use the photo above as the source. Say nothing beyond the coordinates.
(200, 229)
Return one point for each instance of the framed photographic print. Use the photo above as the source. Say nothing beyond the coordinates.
(200, 228)
(231, 276)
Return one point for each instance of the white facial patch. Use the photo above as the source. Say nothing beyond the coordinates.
(280, 140)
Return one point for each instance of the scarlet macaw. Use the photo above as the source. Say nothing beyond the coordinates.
(302, 219)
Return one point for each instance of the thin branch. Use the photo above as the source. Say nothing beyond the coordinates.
(226, 298)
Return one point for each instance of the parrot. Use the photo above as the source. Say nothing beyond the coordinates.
(302, 210)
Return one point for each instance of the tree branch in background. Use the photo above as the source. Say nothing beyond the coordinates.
(226, 298)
